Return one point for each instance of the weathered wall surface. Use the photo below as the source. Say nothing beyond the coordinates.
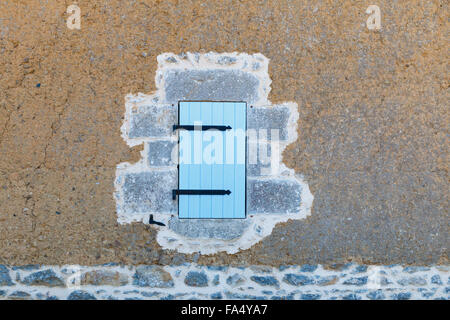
(373, 127)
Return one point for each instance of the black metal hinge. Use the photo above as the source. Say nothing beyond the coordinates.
(200, 127)
(176, 192)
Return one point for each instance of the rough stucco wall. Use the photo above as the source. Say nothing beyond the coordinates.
(373, 128)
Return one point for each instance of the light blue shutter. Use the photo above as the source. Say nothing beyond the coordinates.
(219, 175)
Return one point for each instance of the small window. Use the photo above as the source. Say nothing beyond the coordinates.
(212, 160)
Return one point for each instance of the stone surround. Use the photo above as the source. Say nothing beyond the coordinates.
(275, 193)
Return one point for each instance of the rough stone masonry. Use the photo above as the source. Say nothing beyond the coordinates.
(190, 281)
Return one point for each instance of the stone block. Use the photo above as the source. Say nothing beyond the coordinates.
(265, 280)
(216, 296)
(46, 278)
(351, 296)
(376, 295)
(153, 121)
(150, 191)
(5, 279)
(19, 295)
(401, 296)
(162, 153)
(326, 280)
(217, 85)
(236, 280)
(273, 196)
(240, 296)
(80, 295)
(297, 279)
(414, 269)
(104, 278)
(196, 279)
(27, 267)
(310, 296)
(360, 281)
(412, 281)
(266, 119)
(152, 276)
(436, 279)
(225, 229)
(308, 268)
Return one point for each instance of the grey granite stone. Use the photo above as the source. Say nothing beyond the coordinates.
(356, 281)
(265, 280)
(235, 280)
(360, 269)
(288, 297)
(427, 293)
(326, 280)
(401, 296)
(19, 295)
(217, 268)
(150, 191)
(44, 278)
(266, 119)
(27, 267)
(351, 296)
(225, 229)
(152, 276)
(297, 279)
(224, 60)
(150, 294)
(216, 296)
(412, 281)
(310, 296)
(161, 153)
(308, 268)
(273, 196)
(414, 269)
(196, 279)
(436, 279)
(80, 295)
(239, 296)
(218, 85)
(261, 269)
(153, 121)
(5, 279)
(104, 278)
(376, 295)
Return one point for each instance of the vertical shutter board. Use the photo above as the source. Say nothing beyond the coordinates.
(195, 168)
(205, 169)
(218, 168)
(240, 158)
(183, 174)
(228, 203)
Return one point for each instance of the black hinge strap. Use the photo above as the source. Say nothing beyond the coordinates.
(199, 127)
(199, 192)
